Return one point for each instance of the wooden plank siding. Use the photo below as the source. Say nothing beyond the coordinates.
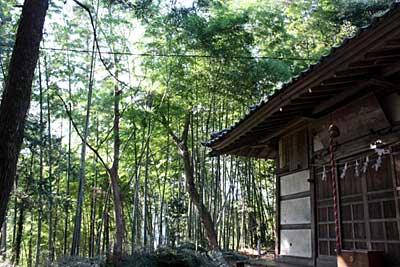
(369, 208)
(293, 151)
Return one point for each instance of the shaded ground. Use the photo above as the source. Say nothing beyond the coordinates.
(265, 260)
(186, 255)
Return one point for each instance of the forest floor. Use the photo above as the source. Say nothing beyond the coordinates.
(183, 256)
(188, 256)
(266, 259)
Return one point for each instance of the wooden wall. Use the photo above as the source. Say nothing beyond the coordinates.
(369, 208)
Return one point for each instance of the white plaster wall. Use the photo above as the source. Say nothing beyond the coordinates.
(295, 183)
(296, 211)
(296, 243)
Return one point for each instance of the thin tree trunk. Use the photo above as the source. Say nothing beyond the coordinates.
(93, 199)
(103, 219)
(135, 227)
(41, 166)
(160, 229)
(14, 223)
(18, 239)
(106, 235)
(145, 187)
(30, 256)
(17, 94)
(3, 243)
(119, 224)
(79, 202)
(66, 206)
(39, 237)
(50, 171)
(134, 217)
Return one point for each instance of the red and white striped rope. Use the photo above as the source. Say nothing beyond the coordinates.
(335, 206)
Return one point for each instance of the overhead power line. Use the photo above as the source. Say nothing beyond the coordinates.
(74, 50)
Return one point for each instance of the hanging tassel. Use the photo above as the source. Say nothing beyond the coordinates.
(343, 174)
(365, 166)
(378, 162)
(357, 169)
(323, 173)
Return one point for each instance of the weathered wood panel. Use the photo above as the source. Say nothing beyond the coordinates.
(293, 151)
(353, 120)
(369, 209)
(391, 106)
(325, 219)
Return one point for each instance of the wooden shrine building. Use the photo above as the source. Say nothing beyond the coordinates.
(357, 88)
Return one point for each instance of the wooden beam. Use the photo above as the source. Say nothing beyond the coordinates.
(347, 94)
(365, 64)
(356, 72)
(275, 118)
(333, 101)
(382, 83)
(394, 41)
(325, 88)
(301, 105)
(387, 53)
(391, 70)
(293, 124)
(270, 125)
(308, 101)
(342, 80)
(317, 94)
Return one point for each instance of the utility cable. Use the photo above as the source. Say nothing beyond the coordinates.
(74, 50)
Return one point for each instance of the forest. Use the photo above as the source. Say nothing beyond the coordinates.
(109, 160)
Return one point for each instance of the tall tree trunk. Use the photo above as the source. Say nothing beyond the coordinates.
(144, 144)
(119, 224)
(103, 219)
(204, 214)
(17, 94)
(79, 202)
(93, 199)
(133, 226)
(14, 223)
(162, 201)
(68, 171)
(39, 237)
(50, 170)
(30, 256)
(106, 238)
(40, 189)
(145, 189)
